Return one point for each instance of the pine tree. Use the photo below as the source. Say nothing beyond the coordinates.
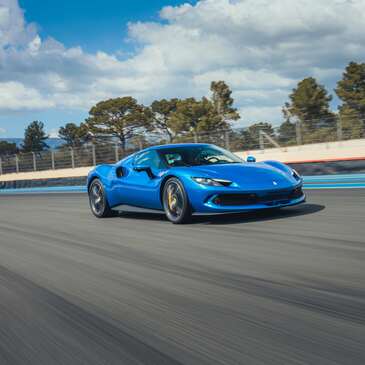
(123, 118)
(73, 135)
(309, 103)
(8, 148)
(351, 90)
(35, 137)
(223, 101)
(287, 133)
(162, 111)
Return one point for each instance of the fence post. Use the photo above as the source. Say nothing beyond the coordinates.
(72, 157)
(261, 140)
(226, 139)
(298, 131)
(34, 162)
(339, 129)
(116, 152)
(94, 154)
(52, 160)
(1, 166)
(195, 137)
(17, 164)
(269, 138)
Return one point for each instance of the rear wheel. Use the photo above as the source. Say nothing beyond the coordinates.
(98, 202)
(175, 202)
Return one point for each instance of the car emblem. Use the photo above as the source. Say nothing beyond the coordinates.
(274, 182)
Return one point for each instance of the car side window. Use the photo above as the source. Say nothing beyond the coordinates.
(174, 159)
(148, 158)
(211, 155)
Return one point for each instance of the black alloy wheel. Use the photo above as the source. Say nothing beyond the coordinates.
(175, 202)
(98, 203)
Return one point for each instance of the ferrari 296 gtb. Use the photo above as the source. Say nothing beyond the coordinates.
(185, 179)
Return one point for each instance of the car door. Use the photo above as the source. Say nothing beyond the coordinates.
(138, 188)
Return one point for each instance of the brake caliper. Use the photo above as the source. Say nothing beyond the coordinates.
(171, 199)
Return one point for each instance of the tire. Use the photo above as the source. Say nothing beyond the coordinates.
(176, 202)
(98, 202)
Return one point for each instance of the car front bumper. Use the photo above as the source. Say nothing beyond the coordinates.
(205, 200)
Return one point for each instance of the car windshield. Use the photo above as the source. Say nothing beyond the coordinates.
(197, 155)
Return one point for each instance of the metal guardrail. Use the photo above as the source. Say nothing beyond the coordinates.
(244, 139)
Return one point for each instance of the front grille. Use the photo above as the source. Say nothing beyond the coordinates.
(252, 198)
(275, 196)
(235, 199)
(281, 195)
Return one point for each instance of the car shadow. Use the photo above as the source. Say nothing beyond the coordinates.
(262, 215)
(233, 218)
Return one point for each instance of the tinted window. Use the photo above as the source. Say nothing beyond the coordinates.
(148, 158)
(197, 155)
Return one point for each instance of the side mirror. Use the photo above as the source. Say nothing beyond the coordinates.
(146, 169)
(251, 158)
(120, 171)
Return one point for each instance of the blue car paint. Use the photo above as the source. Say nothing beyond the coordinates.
(337, 181)
(138, 189)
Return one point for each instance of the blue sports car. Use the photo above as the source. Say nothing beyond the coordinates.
(183, 179)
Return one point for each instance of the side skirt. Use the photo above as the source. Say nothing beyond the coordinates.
(133, 209)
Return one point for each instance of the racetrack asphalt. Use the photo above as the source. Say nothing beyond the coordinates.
(279, 288)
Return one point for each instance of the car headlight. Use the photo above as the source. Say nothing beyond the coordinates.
(295, 174)
(211, 182)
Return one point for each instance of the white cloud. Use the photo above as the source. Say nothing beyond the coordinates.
(260, 114)
(13, 29)
(2, 131)
(250, 79)
(15, 96)
(53, 133)
(34, 45)
(260, 47)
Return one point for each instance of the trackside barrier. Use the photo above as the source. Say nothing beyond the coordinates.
(243, 140)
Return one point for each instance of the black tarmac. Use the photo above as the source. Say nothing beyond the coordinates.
(281, 288)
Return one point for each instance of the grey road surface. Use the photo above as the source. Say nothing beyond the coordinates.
(276, 288)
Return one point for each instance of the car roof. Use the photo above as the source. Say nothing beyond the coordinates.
(164, 146)
(172, 145)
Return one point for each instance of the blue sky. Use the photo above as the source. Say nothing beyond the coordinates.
(92, 24)
(59, 58)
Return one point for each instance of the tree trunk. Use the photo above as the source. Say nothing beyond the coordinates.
(122, 142)
(170, 135)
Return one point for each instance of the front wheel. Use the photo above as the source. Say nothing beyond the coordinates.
(98, 202)
(175, 202)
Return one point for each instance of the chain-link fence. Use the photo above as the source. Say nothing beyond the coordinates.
(244, 139)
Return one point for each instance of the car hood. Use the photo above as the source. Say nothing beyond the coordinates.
(247, 175)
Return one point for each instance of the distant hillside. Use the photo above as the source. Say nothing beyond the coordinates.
(52, 142)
